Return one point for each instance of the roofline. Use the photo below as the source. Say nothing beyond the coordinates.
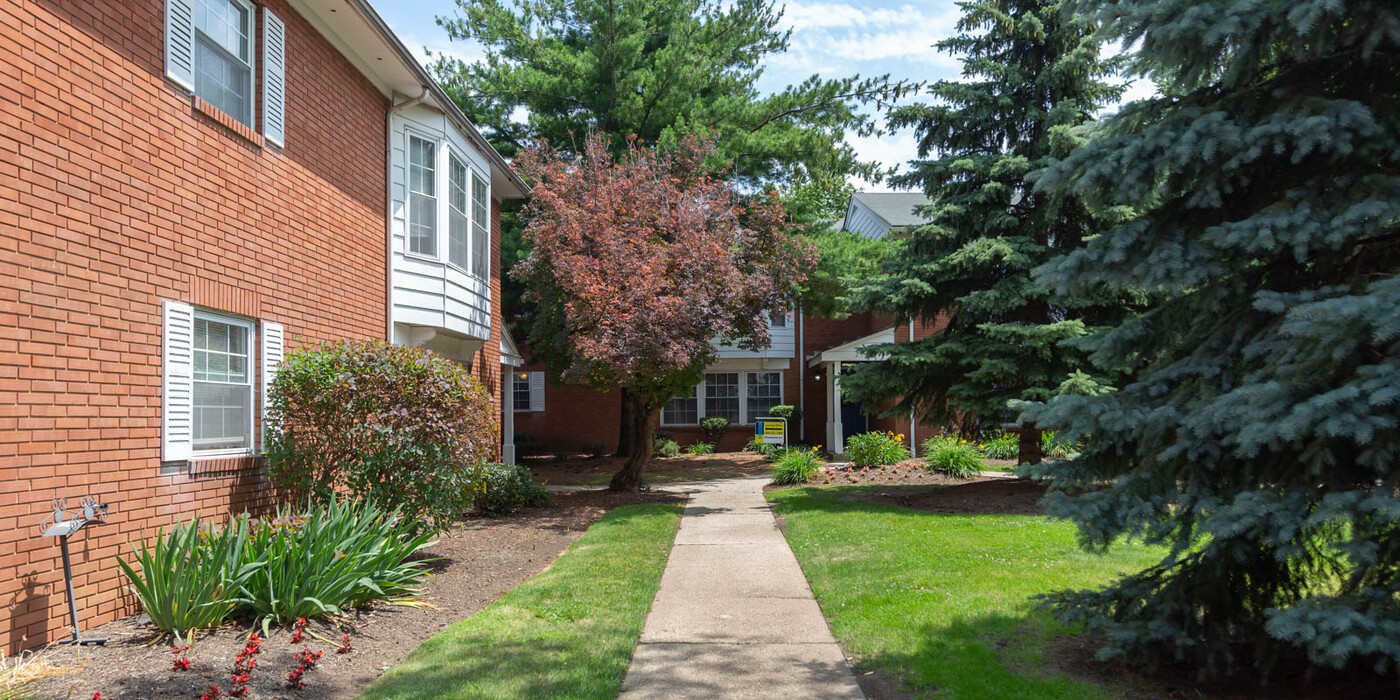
(439, 95)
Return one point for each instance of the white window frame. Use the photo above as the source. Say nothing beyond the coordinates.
(250, 64)
(253, 361)
(467, 172)
(698, 393)
(408, 192)
(515, 391)
(484, 222)
(535, 387)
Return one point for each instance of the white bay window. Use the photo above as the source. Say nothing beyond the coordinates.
(422, 196)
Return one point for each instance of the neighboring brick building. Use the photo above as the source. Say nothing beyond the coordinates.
(741, 385)
(187, 187)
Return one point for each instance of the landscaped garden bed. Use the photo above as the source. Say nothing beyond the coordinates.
(479, 560)
(584, 471)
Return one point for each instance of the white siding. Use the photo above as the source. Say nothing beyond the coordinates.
(784, 346)
(859, 219)
(431, 293)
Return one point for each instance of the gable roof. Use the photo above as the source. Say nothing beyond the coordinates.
(896, 208)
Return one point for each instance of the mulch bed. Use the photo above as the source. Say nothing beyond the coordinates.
(579, 470)
(482, 559)
(980, 497)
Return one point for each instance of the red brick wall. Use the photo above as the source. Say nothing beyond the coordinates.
(117, 193)
(572, 415)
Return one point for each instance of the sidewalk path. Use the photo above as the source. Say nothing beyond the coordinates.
(734, 617)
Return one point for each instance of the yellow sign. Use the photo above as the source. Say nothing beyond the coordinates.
(772, 431)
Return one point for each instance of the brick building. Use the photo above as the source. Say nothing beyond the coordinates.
(801, 367)
(188, 190)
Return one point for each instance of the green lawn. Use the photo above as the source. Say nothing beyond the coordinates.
(566, 633)
(940, 601)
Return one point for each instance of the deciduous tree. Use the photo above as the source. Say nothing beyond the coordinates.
(639, 262)
(1260, 435)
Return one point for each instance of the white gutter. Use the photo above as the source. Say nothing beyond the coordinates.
(801, 374)
(389, 209)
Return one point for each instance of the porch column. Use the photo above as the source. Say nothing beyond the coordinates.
(508, 416)
(835, 439)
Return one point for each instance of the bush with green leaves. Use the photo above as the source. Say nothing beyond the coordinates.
(1055, 448)
(337, 555)
(1003, 446)
(527, 445)
(796, 467)
(402, 426)
(508, 488)
(666, 447)
(953, 456)
(714, 428)
(595, 448)
(191, 577)
(874, 449)
(700, 448)
(792, 414)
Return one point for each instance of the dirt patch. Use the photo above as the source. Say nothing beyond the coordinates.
(579, 471)
(482, 558)
(980, 497)
(878, 686)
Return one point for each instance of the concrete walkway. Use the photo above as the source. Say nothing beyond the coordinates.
(734, 617)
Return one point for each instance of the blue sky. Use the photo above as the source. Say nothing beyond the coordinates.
(832, 38)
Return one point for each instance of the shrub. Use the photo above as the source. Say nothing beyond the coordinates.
(1004, 446)
(700, 448)
(595, 448)
(527, 445)
(876, 449)
(952, 456)
(1055, 448)
(189, 579)
(338, 556)
(663, 435)
(796, 467)
(401, 426)
(793, 414)
(714, 428)
(666, 447)
(508, 488)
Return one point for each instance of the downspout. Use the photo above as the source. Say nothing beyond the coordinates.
(913, 427)
(389, 208)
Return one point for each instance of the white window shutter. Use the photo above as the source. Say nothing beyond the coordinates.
(179, 42)
(274, 79)
(537, 391)
(177, 388)
(273, 350)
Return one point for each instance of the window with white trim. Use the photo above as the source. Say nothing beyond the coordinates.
(422, 196)
(520, 385)
(777, 319)
(681, 410)
(763, 391)
(223, 384)
(481, 227)
(739, 396)
(458, 223)
(223, 56)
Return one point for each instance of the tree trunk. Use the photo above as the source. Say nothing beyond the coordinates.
(1029, 445)
(624, 427)
(642, 434)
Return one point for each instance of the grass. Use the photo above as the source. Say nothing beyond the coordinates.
(566, 633)
(941, 601)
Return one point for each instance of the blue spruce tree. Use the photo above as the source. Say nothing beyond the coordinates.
(1030, 73)
(1258, 436)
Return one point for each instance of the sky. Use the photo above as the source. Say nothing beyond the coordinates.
(831, 38)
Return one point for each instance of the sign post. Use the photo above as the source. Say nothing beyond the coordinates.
(770, 430)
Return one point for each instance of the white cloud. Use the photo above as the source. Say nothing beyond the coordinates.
(889, 150)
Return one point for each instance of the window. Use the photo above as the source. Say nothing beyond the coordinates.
(761, 391)
(457, 222)
(223, 386)
(722, 396)
(764, 390)
(681, 410)
(223, 56)
(777, 319)
(422, 196)
(481, 237)
(527, 391)
(521, 391)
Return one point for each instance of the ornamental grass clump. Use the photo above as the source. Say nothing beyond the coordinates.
(876, 449)
(952, 456)
(700, 448)
(402, 426)
(1003, 446)
(277, 569)
(796, 467)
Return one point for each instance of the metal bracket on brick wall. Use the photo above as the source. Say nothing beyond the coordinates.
(63, 523)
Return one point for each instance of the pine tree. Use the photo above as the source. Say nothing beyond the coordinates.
(1030, 73)
(1259, 434)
